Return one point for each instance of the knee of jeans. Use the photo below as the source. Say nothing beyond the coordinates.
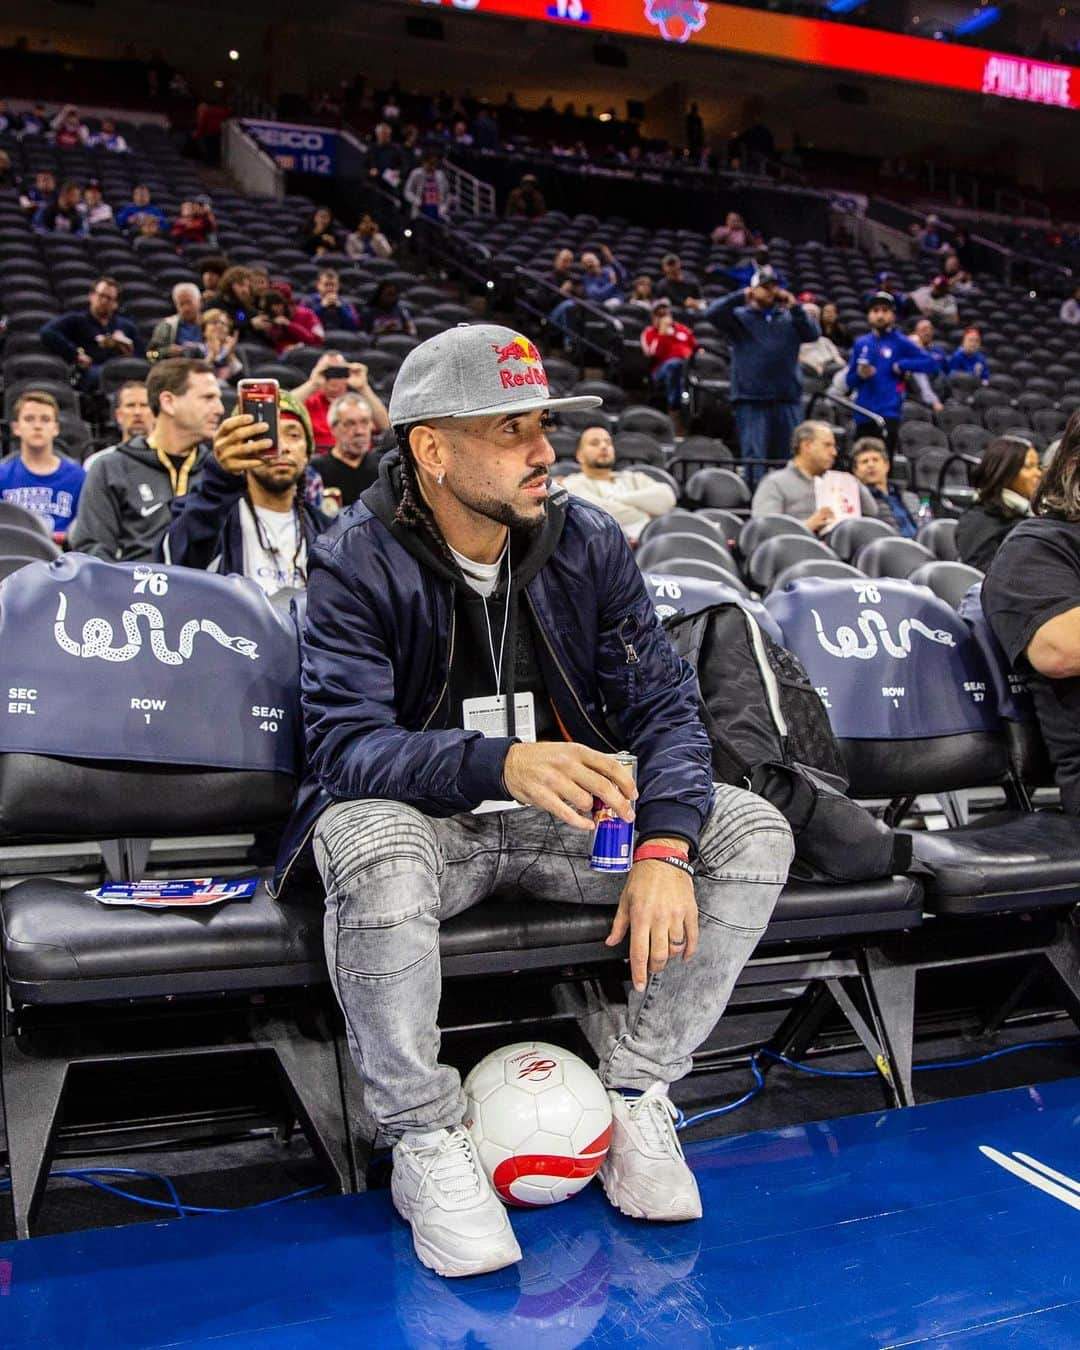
(373, 837)
(747, 839)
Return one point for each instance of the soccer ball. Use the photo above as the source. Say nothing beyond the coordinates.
(540, 1120)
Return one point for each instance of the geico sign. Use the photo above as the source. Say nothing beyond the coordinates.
(290, 140)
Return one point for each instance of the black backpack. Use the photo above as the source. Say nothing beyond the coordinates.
(770, 733)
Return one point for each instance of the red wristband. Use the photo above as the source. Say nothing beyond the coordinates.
(662, 851)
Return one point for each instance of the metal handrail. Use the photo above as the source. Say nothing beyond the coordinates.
(523, 302)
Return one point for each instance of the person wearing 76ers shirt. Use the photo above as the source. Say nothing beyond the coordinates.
(38, 478)
(476, 638)
(124, 510)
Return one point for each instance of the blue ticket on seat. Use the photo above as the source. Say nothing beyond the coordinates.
(188, 893)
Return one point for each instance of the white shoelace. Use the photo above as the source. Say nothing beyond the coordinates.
(452, 1167)
(655, 1116)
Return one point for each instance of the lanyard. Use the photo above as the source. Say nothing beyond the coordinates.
(271, 549)
(178, 477)
(497, 666)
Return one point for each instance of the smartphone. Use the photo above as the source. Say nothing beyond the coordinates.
(259, 398)
(335, 372)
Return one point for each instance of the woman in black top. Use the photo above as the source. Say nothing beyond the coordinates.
(1005, 479)
(318, 236)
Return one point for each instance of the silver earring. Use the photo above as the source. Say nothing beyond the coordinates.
(439, 478)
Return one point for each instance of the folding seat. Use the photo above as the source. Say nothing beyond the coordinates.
(999, 421)
(699, 452)
(915, 437)
(701, 569)
(17, 541)
(969, 438)
(60, 390)
(717, 487)
(893, 557)
(679, 544)
(772, 556)
(759, 528)
(916, 412)
(614, 397)
(86, 985)
(651, 421)
(727, 522)
(24, 519)
(910, 698)
(35, 366)
(636, 447)
(950, 581)
(1049, 422)
(939, 536)
(680, 521)
(121, 368)
(847, 537)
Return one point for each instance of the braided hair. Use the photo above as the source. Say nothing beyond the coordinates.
(413, 511)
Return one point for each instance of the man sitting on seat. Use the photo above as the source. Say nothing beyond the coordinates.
(87, 338)
(1031, 598)
(124, 509)
(809, 488)
(245, 514)
(352, 465)
(37, 477)
(461, 554)
(668, 345)
(332, 376)
(970, 358)
(629, 495)
(895, 506)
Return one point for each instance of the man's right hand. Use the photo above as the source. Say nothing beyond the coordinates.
(822, 518)
(83, 360)
(562, 778)
(240, 443)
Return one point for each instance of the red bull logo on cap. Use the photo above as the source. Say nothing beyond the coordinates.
(520, 349)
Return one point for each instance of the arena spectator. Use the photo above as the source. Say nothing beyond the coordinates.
(809, 488)
(283, 323)
(219, 347)
(386, 312)
(139, 209)
(832, 328)
(879, 360)
(485, 130)
(181, 333)
(734, 233)
(1070, 308)
(743, 273)
(63, 215)
(683, 291)
(108, 138)
(641, 293)
(96, 210)
(1031, 597)
(68, 130)
(244, 513)
(236, 296)
(124, 508)
(668, 346)
(378, 597)
(211, 270)
(131, 415)
(629, 495)
(318, 235)
(35, 122)
(563, 273)
(333, 376)
(888, 284)
(87, 338)
(427, 190)
(918, 381)
(38, 478)
(936, 301)
(766, 328)
(195, 224)
(384, 160)
(960, 281)
(367, 240)
(352, 464)
(896, 506)
(1005, 479)
(929, 237)
(969, 357)
(603, 277)
(40, 192)
(526, 199)
(328, 306)
(822, 357)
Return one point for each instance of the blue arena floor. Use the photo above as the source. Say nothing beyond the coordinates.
(955, 1224)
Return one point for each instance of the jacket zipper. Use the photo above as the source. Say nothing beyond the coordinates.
(632, 658)
(449, 663)
(565, 677)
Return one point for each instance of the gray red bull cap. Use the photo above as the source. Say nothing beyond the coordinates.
(474, 370)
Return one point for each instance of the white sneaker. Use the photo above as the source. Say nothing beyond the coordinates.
(458, 1223)
(645, 1174)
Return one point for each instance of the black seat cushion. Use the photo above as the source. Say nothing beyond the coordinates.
(1003, 862)
(60, 946)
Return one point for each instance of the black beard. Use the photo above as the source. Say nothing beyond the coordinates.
(277, 487)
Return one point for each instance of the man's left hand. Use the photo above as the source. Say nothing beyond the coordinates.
(358, 376)
(658, 909)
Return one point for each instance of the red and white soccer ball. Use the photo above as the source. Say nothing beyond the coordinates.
(541, 1122)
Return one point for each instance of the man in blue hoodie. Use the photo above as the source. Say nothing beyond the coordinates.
(766, 327)
(879, 361)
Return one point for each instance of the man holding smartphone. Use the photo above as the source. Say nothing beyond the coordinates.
(331, 377)
(245, 515)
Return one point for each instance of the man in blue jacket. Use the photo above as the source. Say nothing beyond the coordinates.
(879, 361)
(969, 357)
(477, 642)
(87, 338)
(246, 511)
(765, 326)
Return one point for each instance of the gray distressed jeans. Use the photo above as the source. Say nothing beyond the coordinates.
(393, 874)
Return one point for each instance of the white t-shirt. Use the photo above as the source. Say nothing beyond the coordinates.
(269, 545)
(481, 577)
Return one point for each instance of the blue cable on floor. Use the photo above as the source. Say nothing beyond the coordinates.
(89, 1175)
(685, 1122)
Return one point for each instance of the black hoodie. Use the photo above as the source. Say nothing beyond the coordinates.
(479, 623)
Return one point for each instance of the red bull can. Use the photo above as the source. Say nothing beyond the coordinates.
(613, 840)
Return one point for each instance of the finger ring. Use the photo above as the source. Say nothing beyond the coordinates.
(673, 943)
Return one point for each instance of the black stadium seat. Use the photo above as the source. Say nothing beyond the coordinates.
(700, 568)
(831, 569)
(894, 557)
(773, 555)
(950, 581)
(848, 536)
(21, 518)
(759, 528)
(681, 545)
(17, 542)
(939, 536)
(681, 522)
(717, 487)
